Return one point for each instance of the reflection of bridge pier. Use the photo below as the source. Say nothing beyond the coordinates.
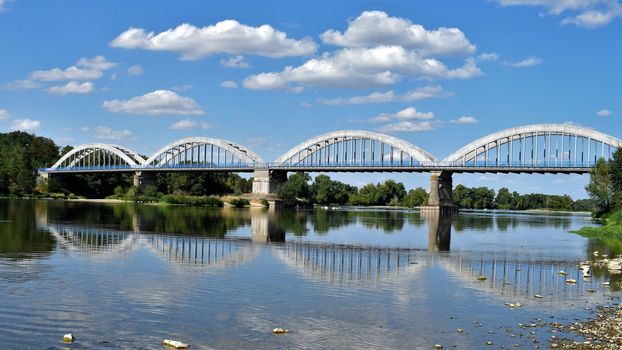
(439, 230)
(264, 228)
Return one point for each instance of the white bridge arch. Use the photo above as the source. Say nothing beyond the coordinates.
(204, 151)
(545, 145)
(354, 147)
(102, 155)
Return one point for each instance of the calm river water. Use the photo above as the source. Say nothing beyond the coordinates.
(124, 276)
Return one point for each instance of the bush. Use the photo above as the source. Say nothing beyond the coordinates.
(264, 202)
(239, 202)
(198, 201)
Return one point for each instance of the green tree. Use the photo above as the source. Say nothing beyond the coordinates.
(503, 199)
(415, 197)
(600, 188)
(296, 187)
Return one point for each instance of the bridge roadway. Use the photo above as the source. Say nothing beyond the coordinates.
(531, 149)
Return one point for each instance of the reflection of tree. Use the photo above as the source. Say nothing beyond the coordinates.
(291, 220)
(210, 222)
(483, 221)
(19, 237)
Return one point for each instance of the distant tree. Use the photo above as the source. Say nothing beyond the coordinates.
(503, 199)
(296, 186)
(415, 197)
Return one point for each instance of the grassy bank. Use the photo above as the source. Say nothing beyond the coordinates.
(612, 228)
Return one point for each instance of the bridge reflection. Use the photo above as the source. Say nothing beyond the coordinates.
(510, 277)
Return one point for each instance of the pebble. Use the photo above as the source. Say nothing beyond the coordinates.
(571, 281)
(538, 296)
(437, 346)
(68, 338)
(460, 330)
(489, 343)
(482, 278)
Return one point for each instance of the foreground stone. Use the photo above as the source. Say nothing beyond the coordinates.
(602, 332)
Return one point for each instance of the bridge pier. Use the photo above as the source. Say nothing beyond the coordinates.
(440, 198)
(142, 179)
(266, 181)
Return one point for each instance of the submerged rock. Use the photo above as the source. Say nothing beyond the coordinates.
(68, 338)
(482, 278)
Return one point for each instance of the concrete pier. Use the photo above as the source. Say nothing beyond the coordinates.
(142, 179)
(440, 199)
(266, 181)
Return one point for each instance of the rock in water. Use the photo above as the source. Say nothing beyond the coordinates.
(68, 338)
(482, 278)
(280, 331)
(176, 344)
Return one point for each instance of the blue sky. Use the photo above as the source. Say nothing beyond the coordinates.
(270, 74)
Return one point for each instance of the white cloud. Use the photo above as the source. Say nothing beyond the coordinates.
(85, 69)
(358, 67)
(2, 3)
(25, 124)
(229, 36)
(187, 124)
(408, 126)
(105, 133)
(488, 57)
(229, 84)
(22, 85)
(159, 102)
(235, 62)
(71, 73)
(135, 70)
(527, 62)
(425, 92)
(97, 63)
(465, 120)
(375, 28)
(408, 113)
(585, 13)
(305, 105)
(72, 87)
(604, 113)
(4, 114)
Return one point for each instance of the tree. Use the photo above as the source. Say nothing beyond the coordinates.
(415, 197)
(296, 186)
(600, 188)
(504, 199)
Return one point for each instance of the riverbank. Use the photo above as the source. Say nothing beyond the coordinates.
(600, 332)
(611, 229)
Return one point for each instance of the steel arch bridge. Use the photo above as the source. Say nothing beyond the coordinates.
(539, 148)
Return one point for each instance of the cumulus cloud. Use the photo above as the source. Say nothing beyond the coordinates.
(25, 124)
(229, 37)
(604, 113)
(582, 13)
(85, 69)
(72, 87)
(527, 62)
(405, 114)
(409, 126)
(188, 124)
(466, 120)
(357, 67)
(235, 62)
(97, 63)
(135, 70)
(22, 85)
(4, 114)
(159, 102)
(425, 92)
(106, 133)
(375, 28)
(229, 84)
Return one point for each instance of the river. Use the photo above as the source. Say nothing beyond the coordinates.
(125, 276)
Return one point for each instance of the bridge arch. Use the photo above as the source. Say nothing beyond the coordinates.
(538, 144)
(203, 151)
(354, 147)
(98, 155)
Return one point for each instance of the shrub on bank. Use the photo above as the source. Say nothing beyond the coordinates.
(239, 202)
(198, 201)
(612, 227)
